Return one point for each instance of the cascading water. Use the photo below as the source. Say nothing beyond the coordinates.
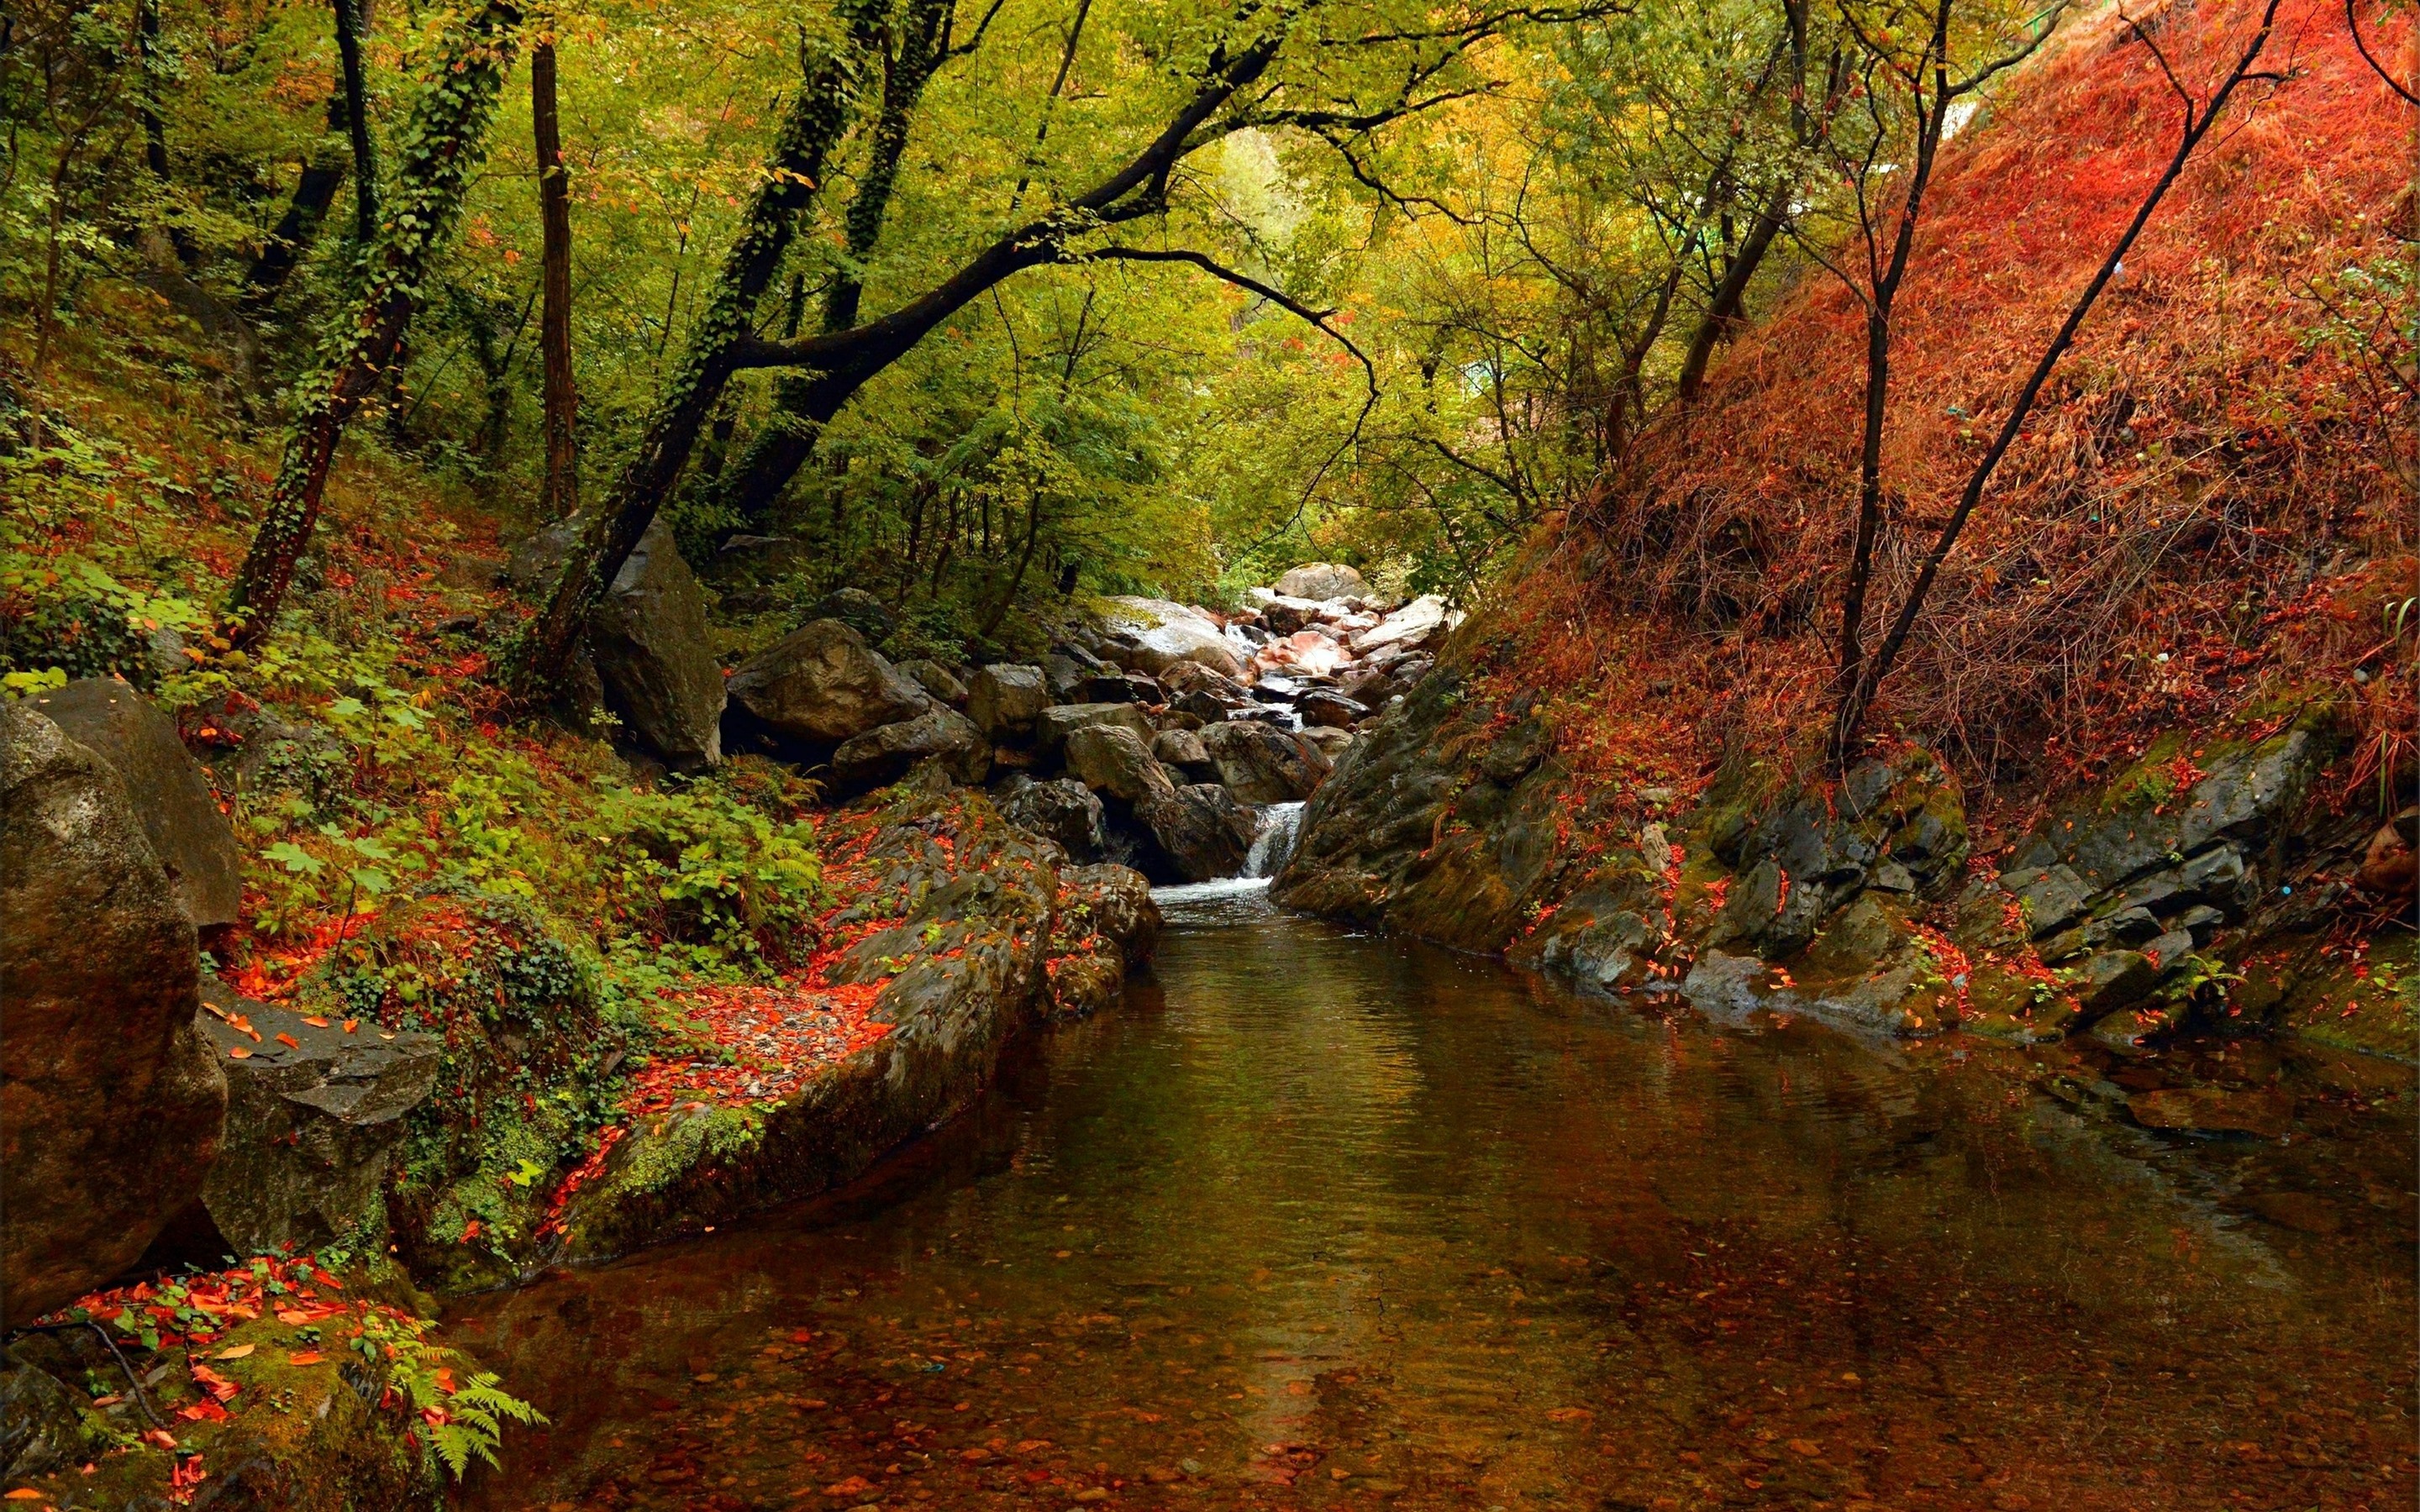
(1273, 846)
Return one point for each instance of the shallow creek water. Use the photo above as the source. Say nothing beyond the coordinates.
(1324, 1221)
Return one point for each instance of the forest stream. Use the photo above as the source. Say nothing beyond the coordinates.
(1326, 1219)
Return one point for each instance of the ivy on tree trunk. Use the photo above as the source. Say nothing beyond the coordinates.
(443, 142)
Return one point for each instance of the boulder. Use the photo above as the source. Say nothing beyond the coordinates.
(1328, 741)
(1200, 833)
(111, 1106)
(1065, 812)
(655, 654)
(538, 560)
(1114, 903)
(311, 1124)
(937, 680)
(1053, 725)
(1262, 763)
(1418, 626)
(885, 753)
(1165, 634)
(1006, 699)
(1322, 580)
(1114, 761)
(822, 685)
(1320, 707)
(1182, 752)
(2112, 979)
(172, 799)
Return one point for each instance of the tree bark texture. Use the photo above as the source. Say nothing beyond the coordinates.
(561, 495)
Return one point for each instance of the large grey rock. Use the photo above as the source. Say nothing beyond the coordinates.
(1200, 833)
(310, 1125)
(2052, 897)
(1419, 625)
(1165, 634)
(1006, 698)
(885, 754)
(1261, 764)
(172, 799)
(655, 654)
(110, 1103)
(1065, 812)
(822, 685)
(1053, 725)
(1114, 901)
(1115, 762)
(1181, 752)
(938, 680)
(1321, 581)
(2113, 979)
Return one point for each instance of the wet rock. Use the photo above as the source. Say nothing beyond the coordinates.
(1114, 903)
(1262, 763)
(937, 680)
(1321, 581)
(1166, 634)
(1200, 832)
(859, 610)
(1116, 763)
(1767, 914)
(822, 685)
(1329, 740)
(41, 1431)
(1720, 982)
(2052, 897)
(1320, 707)
(654, 654)
(2266, 1112)
(2112, 979)
(111, 1106)
(2390, 864)
(1053, 725)
(885, 754)
(2246, 797)
(172, 799)
(1605, 936)
(310, 1125)
(1006, 698)
(1182, 752)
(1859, 938)
(1065, 812)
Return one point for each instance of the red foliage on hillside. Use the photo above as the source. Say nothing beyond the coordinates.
(2212, 505)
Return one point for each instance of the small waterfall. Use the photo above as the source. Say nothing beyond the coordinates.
(1273, 846)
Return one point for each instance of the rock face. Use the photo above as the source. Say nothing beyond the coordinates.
(938, 680)
(40, 1429)
(111, 1106)
(1115, 762)
(1006, 699)
(193, 840)
(885, 754)
(1200, 833)
(1261, 764)
(311, 1125)
(822, 685)
(1165, 634)
(1320, 580)
(1065, 812)
(1104, 923)
(655, 654)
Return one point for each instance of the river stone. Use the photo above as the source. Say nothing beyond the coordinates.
(1006, 698)
(884, 754)
(1322, 580)
(937, 680)
(1200, 831)
(172, 799)
(1114, 762)
(822, 685)
(1114, 901)
(1261, 764)
(1166, 634)
(1053, 725)
(311, 1125)
(1065, 812)
(655, 654)
(2112, 979)
(1320, 707)
(112, 1104)
(1419, 625)
(1182, 752)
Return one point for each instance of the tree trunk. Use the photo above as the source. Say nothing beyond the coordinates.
(817, 118)
(446, 139)
(357, 121)
(560, 493)
(298, 227)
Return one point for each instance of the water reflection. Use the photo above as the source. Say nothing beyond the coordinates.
(1328, 1220)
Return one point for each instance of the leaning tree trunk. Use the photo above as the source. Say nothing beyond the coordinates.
(443, 142)
(817, 119)
(561, 495)
(357, 120)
